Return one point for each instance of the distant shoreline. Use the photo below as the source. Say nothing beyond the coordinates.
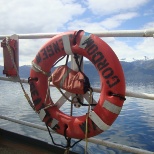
(135, 71)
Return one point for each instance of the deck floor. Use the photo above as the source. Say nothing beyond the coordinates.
(9, 147)
(12, 143)
(9, 150)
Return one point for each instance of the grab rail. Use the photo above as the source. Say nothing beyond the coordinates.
(116, 33)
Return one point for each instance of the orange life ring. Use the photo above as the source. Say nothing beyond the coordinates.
(111, 76)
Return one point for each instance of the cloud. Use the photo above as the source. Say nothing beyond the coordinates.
(33, 16)
(109, 23)
(133, 48)
(86, 24)
(117, 20)
(146, 47)
(149, 25)
(63, 15)
(30, 16)
(27, 51)
(106, 7)
(149, 11)
(129, 50)
(122, 49)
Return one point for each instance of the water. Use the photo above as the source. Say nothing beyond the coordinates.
(133, 127)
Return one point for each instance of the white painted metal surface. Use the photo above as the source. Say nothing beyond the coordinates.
(116, 33)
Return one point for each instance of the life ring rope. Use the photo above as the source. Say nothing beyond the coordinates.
(37, 68)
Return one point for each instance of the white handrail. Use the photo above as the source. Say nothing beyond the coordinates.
(114, 33)
(119, 146)
(128, 93)
(92, 140)
(132, 94)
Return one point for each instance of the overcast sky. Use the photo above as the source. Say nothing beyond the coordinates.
(47, 16)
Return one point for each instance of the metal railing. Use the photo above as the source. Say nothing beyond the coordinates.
(119, 33)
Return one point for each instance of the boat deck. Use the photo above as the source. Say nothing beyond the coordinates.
(12, 143)
(9, 150)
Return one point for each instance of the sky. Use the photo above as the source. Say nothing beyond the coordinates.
(50, 16)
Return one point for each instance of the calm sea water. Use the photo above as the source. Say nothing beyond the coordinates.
(133, 127)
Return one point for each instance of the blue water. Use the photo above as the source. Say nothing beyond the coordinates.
(133, 127)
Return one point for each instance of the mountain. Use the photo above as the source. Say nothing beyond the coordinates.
(136, 71)
(139, 71)
(23, 70)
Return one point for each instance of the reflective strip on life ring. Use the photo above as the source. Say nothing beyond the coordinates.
(67, 46)
(111, 77)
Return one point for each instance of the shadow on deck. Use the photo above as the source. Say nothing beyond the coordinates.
(13, 143)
